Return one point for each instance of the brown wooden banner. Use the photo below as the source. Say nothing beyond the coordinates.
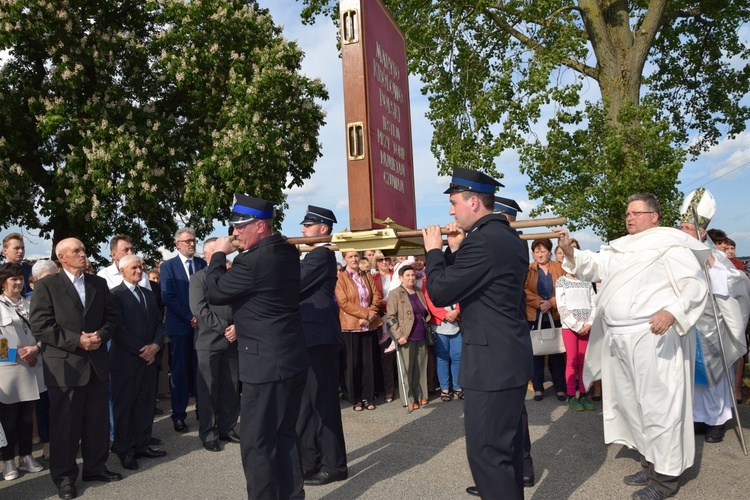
(378, 120)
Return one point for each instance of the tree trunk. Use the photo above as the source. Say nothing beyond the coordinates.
(620, 52)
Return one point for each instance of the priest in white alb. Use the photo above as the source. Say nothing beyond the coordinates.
(642, 342)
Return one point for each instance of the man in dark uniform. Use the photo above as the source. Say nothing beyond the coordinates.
(485, 270)
(263, 287)
(217, 382)
(319, 423)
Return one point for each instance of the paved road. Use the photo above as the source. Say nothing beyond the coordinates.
(418, 456)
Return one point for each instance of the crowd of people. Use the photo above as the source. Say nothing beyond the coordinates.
(270, 343)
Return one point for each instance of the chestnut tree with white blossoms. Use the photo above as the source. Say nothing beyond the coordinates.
(141, 116)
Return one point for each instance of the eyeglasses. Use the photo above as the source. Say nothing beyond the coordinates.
(189, 242)
(243, 225)
(382, 259)
(636, 214)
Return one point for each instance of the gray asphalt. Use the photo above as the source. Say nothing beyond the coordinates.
(421, 455)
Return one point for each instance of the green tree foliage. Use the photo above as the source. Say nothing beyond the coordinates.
(671, 75)
(139, 116)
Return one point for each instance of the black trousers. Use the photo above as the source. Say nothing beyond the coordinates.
(133, 395)
(218, 393)
(388, 364)
(495, 441)
(18, 426)
(359, 365)
(269, 442)
(669, 485)
(556, 365)
(78, 414)
(319, 425)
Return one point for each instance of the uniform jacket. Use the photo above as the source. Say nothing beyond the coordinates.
(487, 276)
(138, 328)
(212, 320)
(347, 296)
(400, 311)
(263, 288)
(533, 300)
(57, 320)
(318, 307)
(175, 295)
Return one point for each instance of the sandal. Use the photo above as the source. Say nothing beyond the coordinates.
(359, 406)
(368, 405)
(423, 402)
(445, 396)
(459, 394)
(410, 408)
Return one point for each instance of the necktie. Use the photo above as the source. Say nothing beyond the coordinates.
(190, 267)
(141, 297)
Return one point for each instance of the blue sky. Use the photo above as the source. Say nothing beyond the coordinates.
(722, 170)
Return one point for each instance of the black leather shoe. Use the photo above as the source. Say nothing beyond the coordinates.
(323, 477)
(310, 473)
(715, 433)
(152, 441)
(232, 437)
(180, 426)
(528, 481)
(67, 492)
(104, 476)
(158, 411)
(150, 453)
(128, 462)
(472, 490)
(212, 446)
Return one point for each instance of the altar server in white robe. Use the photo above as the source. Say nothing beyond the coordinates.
(712, 404)
(642, 345)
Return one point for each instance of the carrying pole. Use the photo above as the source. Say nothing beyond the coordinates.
(727, 372)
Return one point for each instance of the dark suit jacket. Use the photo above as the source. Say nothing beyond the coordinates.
(175, 294)
(212, 320)
(318, 307)
(263, 287)
(58, 319)
(487, 276)
(136, 329)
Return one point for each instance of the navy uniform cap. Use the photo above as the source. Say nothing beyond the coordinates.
(465, 179)
(315, 215)
(247, 209)
(506, 206)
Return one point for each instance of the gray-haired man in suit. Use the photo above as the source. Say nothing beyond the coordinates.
(218, 365)
(133, 359)
(73, 315)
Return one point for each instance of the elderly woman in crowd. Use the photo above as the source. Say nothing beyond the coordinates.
(359, 303)
(21, 377)
(382, 280)
(540, 300)
(407, 317)
(41, 269)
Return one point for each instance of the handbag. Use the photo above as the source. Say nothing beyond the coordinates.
(546, 340)
(430, 334)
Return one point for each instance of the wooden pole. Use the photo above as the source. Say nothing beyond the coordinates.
(519, 224)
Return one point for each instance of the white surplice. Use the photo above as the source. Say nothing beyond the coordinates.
(713, 401)
(647, 379)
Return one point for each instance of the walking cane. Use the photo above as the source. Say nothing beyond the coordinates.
(715, 309)
(399, 362)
